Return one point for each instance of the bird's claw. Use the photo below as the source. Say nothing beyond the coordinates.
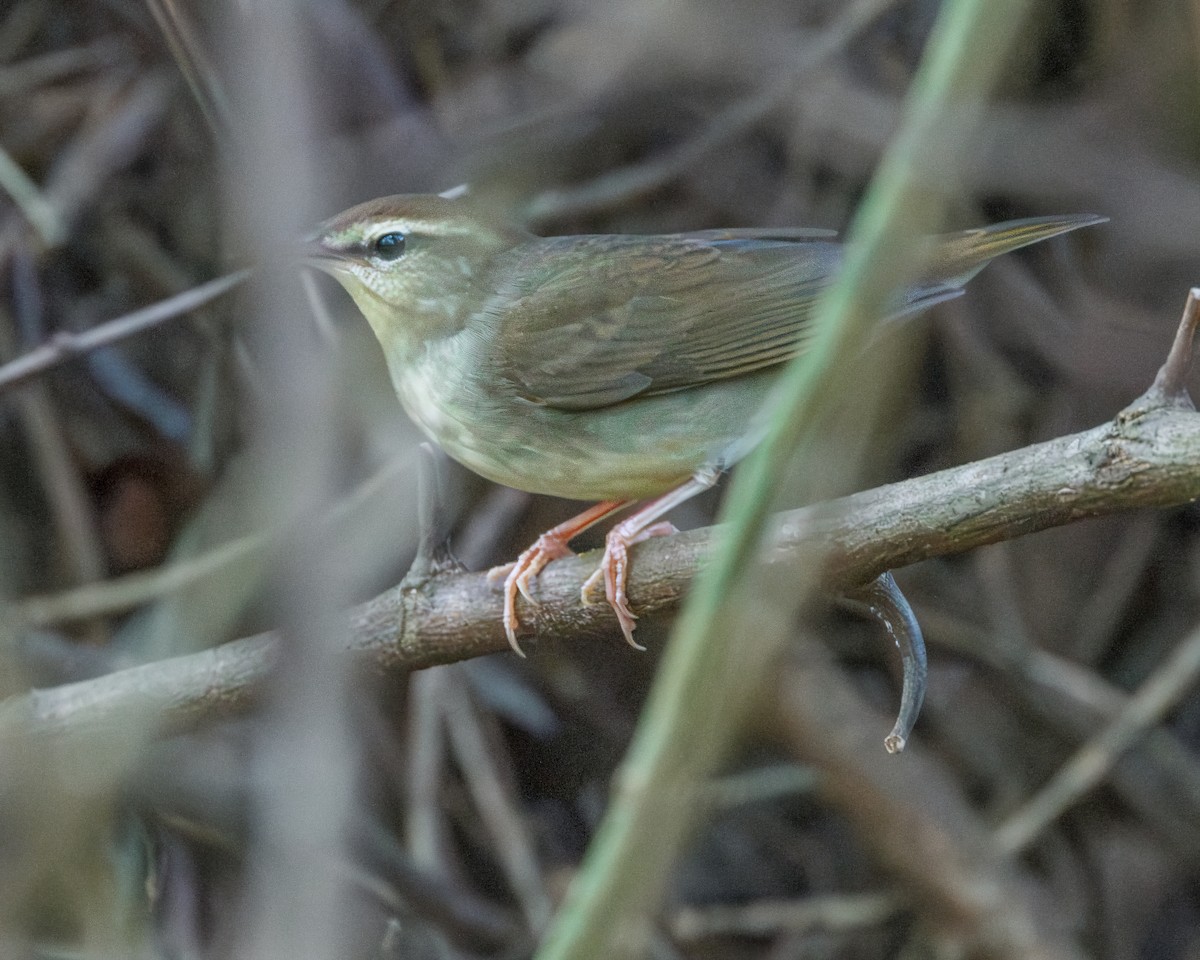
(517, 577)
(614, 570)
(587, 593)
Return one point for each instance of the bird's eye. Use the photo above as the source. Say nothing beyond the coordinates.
(390, 246)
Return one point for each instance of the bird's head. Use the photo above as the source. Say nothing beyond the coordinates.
(412, 263)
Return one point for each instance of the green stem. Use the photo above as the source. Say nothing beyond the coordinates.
(722, 642)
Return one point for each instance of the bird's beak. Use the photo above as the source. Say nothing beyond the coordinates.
(313, 252)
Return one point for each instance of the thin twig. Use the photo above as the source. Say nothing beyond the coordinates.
(1101, 615)
(757, 785)
(425, 824)
(912, 818)
(119, 124)
(18, 78)
(202, 79)
(66, 346)
(74, 516)
(122, 594)
(322, 317)
(1160, 781)
(494, 800)
(1092, 763)
(25, 193)
(636, 179)
(116, 131)
(765, 918)
(409, 886)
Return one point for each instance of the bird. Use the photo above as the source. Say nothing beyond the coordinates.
(622, 369)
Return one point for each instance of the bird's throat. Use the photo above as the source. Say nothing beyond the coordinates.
(405, 333)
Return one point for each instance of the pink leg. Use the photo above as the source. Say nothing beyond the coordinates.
(551, 545)
(642, 525)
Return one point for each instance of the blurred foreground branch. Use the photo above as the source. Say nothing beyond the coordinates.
(1147, 456)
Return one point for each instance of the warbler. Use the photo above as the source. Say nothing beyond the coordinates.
(614, 368)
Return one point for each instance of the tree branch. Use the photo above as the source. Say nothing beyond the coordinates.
(1147, 456)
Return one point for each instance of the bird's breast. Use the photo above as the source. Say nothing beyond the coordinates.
(631, 450)
(433, 393)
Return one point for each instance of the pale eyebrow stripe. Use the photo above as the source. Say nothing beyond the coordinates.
(421, 228)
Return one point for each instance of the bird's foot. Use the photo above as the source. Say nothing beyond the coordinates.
(551, 545)
(614, 569)
(517, 577)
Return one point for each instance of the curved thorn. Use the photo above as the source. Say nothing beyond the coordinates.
(888, 605)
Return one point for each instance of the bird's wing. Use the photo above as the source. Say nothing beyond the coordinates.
(585, 322)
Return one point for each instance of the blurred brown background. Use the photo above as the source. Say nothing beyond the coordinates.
(120, 132)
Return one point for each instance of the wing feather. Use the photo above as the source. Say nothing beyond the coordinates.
(585, 322)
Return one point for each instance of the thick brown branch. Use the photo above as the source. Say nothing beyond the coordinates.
(1148, 456)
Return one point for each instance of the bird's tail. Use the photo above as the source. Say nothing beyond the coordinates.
(959, 256)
